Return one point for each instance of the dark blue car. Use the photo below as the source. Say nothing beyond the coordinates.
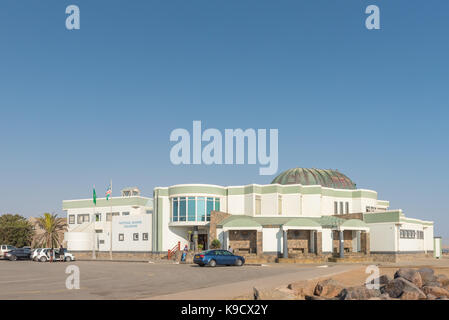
(218, 257)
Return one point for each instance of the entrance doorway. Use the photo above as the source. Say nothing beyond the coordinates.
(202, 240)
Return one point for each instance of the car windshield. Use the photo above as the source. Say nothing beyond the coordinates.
(10, 248)
(208, 252)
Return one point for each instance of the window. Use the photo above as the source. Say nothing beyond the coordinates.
(335, 207)
(126, 213)
(101, 241)
(71, 219)
(114, 214)
(83, 218)
(191, 209)
(209, 207)
(149, 212)
(98, 217)
(347, 207)
(280, 205)
(175, 207)
(145, 236)
(182, 209)
(135, 237)
(201, 209)
(258, 205)
(341, 207)
(121, 237)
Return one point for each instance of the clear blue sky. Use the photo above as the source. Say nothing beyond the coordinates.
(79, 108)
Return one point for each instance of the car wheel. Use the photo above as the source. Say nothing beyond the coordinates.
(201, 265)
(68, 259)
(12, 258)
(239, 263)
(212, 263)
(43, 259)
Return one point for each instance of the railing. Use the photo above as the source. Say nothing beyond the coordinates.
(173, 250)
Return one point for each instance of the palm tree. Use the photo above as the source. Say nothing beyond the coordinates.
(52, 227)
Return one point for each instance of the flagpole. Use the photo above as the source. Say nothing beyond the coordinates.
(110, 231)
(93, 223)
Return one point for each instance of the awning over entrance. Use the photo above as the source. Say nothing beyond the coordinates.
(354, 224)
(301, 224)
(240, 223)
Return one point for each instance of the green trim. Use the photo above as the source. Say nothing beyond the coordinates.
(102, 202)
(391, 216)
(197, 189)
(241, 222)
(383, 203)
(413, 221)
(302, 222)
(354, 223)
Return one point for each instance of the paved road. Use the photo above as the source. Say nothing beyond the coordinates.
(134, 280)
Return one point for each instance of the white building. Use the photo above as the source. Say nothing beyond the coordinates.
(128, 218)
(302, 213)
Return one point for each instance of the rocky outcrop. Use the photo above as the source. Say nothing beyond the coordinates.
(407, 284)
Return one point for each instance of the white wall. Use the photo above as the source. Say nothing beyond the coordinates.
(326, 240)
(128, 225)
(272, 240)
(382, 237)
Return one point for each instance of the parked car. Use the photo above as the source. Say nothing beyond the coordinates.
(43, 255)
(213, 258)
(35, 253)
(18, 254)
(5, 248)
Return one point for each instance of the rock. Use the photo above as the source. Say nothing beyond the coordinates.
(384, 279)
(359, 293)
(431, 297)
(412, 294)
(312, 297)
(328, 288)
(303, 288)
(436, 291)
(274, 294)
(384, 296)
(427, 276)
(442, 279)
(409, 274)
(397, 286)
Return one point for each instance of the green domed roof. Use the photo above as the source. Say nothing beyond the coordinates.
(307, 177)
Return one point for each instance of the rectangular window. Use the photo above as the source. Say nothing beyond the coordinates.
(201, 208)
(71, 219)
(217, 204)
(135, 237)
(258, 205)
(192, 209)
(126, 213)
(121, 237)
(335, 207)
(182, 209)
(149, 212)
(145, 236)
(175, 209)
(347, 207)
(83, 218)
(98, 217)
(114, 214)
(209, 208)
(341, 207)
(280, 205)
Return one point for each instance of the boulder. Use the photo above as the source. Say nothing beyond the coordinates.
(427, 276)
(443, 280)
(431, 297)
(396, 287)
(312, 297)
(436, 291)
(302, 288)
(328, 288)
(409, 274)
(412, 294)
(359, 293)
(384, 279)
(273, 294)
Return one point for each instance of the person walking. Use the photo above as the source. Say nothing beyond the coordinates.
(184, 254)
(231, 250)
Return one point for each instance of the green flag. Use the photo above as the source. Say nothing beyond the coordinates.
(95, 197)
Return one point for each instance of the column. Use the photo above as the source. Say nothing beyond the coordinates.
(195, 238)
(285, 251)
(318, 243)
(312, 241)
(359, 241)
(342, 249)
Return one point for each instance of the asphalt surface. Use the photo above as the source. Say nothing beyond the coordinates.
(130, 280)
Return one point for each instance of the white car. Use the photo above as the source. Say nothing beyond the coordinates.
(5, 248)
(43, 255)
(35, 253)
